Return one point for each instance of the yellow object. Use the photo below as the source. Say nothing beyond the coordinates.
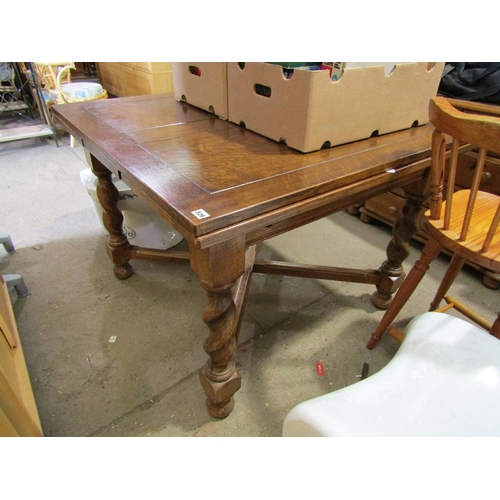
(57, 87)
(55, 80)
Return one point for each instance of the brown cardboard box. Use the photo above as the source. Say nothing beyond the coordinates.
(202, 84)
(308, 110)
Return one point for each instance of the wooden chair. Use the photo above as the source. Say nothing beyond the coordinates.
(58, 88)
(55, 80)
(464, 222)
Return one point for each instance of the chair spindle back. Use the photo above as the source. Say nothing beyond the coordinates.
(480, 131)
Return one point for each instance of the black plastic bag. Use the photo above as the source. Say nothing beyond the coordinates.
(471, 81)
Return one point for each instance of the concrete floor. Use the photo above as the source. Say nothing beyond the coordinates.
(146, 382)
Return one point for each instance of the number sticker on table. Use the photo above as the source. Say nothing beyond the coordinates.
(200, 214)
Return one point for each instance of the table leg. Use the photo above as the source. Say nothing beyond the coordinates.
(392, 272)
(117, 245)
(218, 268)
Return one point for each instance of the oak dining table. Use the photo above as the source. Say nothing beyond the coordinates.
(227, 189)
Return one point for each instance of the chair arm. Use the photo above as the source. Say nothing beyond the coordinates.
(60, 74)
(477, 107)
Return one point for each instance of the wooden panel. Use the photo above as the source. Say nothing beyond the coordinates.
(6, 427)
(153, 67)
(14, 411)
(131, 79)
(140, 82)
(110, 77)
(385, 207)
(162, 83)
(490, 181)
(17, 404)
(137, 81)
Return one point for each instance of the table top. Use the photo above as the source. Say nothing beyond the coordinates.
(213, 179)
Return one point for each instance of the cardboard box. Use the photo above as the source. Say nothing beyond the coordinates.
(308, 110)
(202, 84)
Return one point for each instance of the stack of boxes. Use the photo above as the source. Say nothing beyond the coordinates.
(314, 105)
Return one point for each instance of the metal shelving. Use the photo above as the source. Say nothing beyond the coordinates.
(21, 96)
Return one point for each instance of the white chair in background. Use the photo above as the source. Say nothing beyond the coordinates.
(443, 381)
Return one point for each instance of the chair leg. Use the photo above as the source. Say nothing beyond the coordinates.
(6, 241)
(452, 271)
(417, 272)
(495, 327)
(17, 281)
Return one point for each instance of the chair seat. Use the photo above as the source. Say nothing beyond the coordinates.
(443, 381)
(484, 211)
(82, 90)
(75, 92)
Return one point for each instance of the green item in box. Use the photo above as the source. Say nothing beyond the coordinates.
(296, 64)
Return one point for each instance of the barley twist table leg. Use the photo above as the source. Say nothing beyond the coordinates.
(392, 273)
(112, 218)
(219, 376)
(218, 268)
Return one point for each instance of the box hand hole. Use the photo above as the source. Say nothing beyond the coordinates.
(262, 90)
